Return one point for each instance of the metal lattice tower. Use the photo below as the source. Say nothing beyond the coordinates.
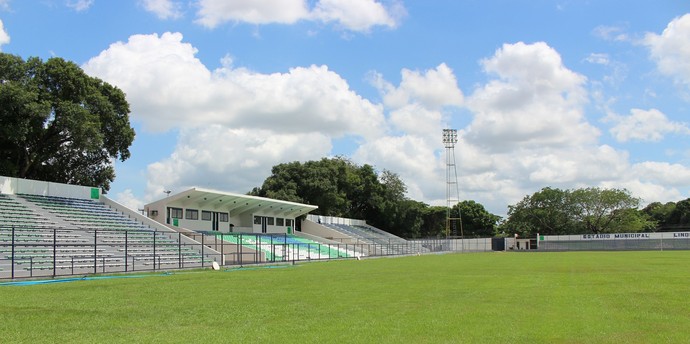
(450, 138)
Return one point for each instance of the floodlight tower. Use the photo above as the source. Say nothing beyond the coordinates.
(450, 138)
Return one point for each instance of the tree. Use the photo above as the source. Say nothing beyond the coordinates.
(476, 221)
(433, 221)
(59, 124)
(337, 186)
(659, 213)
(341, 188)
(599, 209)
(590, 210)
(632, 220)
(548, 211)
(680, 216)
(403, 218)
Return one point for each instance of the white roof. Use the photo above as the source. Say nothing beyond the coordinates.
(232, 203)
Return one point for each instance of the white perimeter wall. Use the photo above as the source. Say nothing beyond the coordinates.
(11, 185)
(615, 236)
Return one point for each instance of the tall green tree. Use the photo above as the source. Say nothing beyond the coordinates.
(476, 220)
(433, 221)
(548, 211)
(585, 210)
(599, 210)
(660, 213)
(680, 215)
(342, 188)
(59, 124)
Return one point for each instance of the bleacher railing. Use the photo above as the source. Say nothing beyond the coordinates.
(29, 251)
(50, 252)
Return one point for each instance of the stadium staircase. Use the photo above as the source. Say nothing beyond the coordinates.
(71, 235)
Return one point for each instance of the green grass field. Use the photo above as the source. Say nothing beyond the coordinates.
(573, 297)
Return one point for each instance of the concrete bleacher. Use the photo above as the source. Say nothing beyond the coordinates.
(286, 247)
(62, 235)
(84, 214)
(378, 241)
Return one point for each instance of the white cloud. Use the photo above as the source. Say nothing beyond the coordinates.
(644, 125)
(528, 131)
(4, 5)
(4, 37)
(662, 173)
(129, 200)
(79, 5)
(535, 101)
(416, 118)
(671, 49)
(234, 160)
(234, 124)
(412, 157)
(611, 33)
(215, 12)
(598, 58)
(527, 128)
(617, 70)
(353, 15)
(434, 89)
(168, 87)
(164, 9)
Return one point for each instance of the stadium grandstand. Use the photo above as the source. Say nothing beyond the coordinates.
(51, 229)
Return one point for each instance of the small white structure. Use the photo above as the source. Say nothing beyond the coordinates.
(210, 210)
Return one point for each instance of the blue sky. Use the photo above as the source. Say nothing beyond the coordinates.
(543, 93)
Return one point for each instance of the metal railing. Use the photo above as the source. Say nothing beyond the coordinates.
(49, 252)
(34, 251)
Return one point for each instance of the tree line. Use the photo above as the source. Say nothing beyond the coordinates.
(344, 189)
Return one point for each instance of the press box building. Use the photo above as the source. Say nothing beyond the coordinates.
(210, 210)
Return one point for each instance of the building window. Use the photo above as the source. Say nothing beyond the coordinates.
(206, 215)
(192, 214)
(223, 217)
(280, 221)
(269, 221)
(257, 220)
(176, 213)
(288, 222)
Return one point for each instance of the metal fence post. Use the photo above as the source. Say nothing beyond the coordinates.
(222, 246)
(55, 251)
(95, 249)
(239, 244)
(126, 245)
(202, 249)
(154, 250)
(13, 251)
(180, 263)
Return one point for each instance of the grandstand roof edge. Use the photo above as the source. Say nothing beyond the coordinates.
(199, 192)
(253, 197)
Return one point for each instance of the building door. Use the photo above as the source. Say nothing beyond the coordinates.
(214, 221)
(264, 224)
(262, 221)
